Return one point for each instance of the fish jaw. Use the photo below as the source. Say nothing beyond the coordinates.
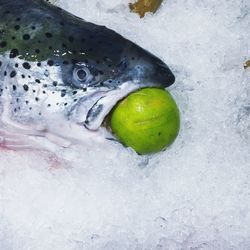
(104, 105)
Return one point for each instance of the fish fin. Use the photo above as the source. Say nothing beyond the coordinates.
(14, 135)
(20, 140)
(58, 140)
(14, 141)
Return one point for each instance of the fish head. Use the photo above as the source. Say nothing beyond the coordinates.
(109, 67)
(59, 63)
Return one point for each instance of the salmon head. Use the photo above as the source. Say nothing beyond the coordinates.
(52, 62)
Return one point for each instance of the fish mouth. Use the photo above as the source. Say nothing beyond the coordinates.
(97, 113)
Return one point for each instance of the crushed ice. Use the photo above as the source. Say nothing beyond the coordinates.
(195, 195)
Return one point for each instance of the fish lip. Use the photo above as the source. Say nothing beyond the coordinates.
(102, 107)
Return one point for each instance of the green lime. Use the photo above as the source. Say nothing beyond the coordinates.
(147, 120)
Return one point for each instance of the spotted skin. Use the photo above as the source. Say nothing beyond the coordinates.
(54, 64)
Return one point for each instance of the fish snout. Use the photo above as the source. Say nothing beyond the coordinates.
(162, 74)
(147, 69)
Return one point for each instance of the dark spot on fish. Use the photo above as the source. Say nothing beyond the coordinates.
(17, 27)
(13, 38)
(49, 105)
(63, 93)
(65, 104)
(50, 62)
(14, 87)
(14, 53)
(26, 65)
(74, 92)
(44, 92)
(3, 44)
(37, 99)
(159, 133)
(23, 76)
(48, 35)
(33, 27)
(75, 100)
(50, 47)
(18, 19)
(26, 37)
(39, 64)
(5, 73)
(16, 65)
(13, 73)
(27, 102)
(25, 87)
(54, 84)
(45, 85)
(37, 51)
(38, 81)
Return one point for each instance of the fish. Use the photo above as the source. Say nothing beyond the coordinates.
(61, 75)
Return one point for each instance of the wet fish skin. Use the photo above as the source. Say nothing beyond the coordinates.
(54, 64)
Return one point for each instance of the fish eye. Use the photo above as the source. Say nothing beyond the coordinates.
(81, 74)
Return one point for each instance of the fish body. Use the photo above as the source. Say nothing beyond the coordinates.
(56, 67)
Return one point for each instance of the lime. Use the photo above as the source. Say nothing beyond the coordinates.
(147, 120)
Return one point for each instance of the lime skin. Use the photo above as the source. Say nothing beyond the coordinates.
(147, 120)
